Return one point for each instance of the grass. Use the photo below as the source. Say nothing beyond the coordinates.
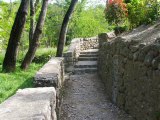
(11, 82)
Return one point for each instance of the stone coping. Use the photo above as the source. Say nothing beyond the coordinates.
(30, 104)
(51, 74)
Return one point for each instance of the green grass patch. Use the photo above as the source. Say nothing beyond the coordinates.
(11, 82)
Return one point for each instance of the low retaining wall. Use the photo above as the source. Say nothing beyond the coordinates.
(30, 104)
(51, 74)
(71, 56)
(130, 70)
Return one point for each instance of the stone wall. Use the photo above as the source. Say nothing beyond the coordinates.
(51, 74)
(77, 45)
(37, 103)
(89, 43)
(130, 69)
(30, 104)
(71, 56)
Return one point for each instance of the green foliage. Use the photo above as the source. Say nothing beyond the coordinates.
(138, 12)
(87, 22)
(142, 12)
(7, 15)
(115, 13)
(120, 29)
(52, 25)
(44, 54)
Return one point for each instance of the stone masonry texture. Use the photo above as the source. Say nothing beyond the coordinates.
(51, 74)
(129, 66)
(30, 104)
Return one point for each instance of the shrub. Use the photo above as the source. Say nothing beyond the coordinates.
(120, 29)
(116, 12)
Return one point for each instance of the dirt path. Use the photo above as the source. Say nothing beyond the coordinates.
(85, 99)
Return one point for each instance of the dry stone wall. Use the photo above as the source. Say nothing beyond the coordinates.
(89, 43)
(130, 69)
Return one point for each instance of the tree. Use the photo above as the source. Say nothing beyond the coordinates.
(64, 27)
(9, 63)
(52, 26)
(35, 41)
(33, 7)
(87, 22)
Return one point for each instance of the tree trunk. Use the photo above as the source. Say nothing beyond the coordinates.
(33, 8)
(64, 27)
(32, 20)
(9, 63)
(35, 41)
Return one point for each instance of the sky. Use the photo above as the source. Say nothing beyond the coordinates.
(90, 1)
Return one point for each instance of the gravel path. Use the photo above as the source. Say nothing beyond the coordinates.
(85, 99)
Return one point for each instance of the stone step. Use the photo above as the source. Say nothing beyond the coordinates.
(87, 58)
(79, 71)
(86, 64)
(90, 51)
(88, 55)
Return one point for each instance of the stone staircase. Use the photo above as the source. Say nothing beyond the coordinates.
(87, 62)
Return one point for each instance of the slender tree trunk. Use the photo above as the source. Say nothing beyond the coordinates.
(9, 63)
(36, 4)
(32, 20)
(64, 27)
(35, 41)
(33, 8)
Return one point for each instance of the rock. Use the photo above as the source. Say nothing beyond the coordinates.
(155, 62)
(149, 57)
(30, 104)
(51, 74)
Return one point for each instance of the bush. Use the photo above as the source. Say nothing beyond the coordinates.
(42, 58)
(44, 54)
(142, 12)
(116, 12)
(120, 29)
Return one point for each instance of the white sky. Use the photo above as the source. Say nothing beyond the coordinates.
(90, 1)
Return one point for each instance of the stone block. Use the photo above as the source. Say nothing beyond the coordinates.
(68, 54)
(30, 104)
(51, 74)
